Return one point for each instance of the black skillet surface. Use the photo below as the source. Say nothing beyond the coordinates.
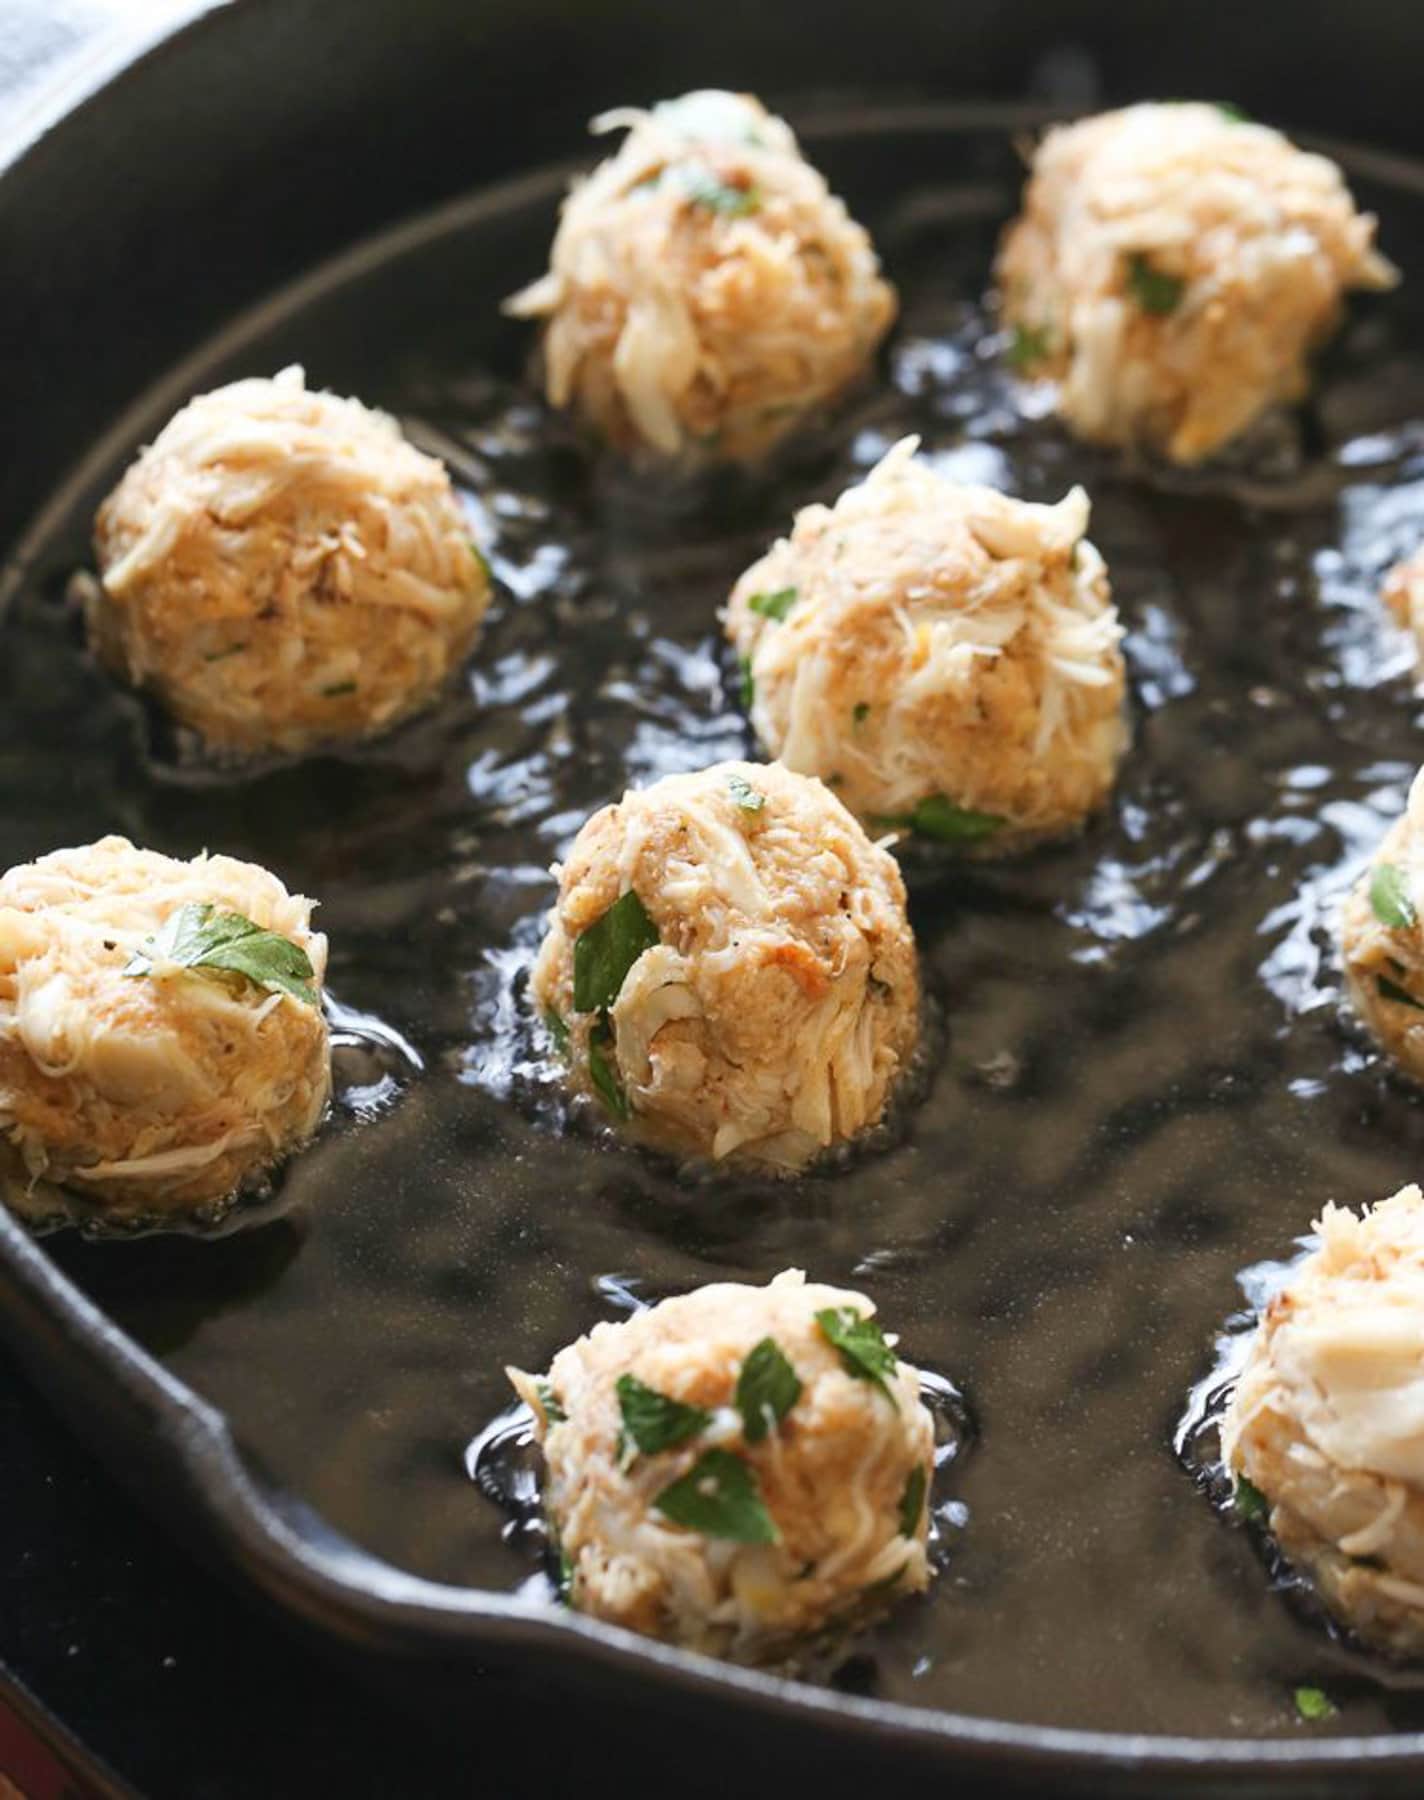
(1144, 1089)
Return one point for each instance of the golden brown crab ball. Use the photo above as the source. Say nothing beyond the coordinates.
(736, 1467)
(161, 1033)
(283, 570)
(1382, 939)
(943, 656)
(1172, 270)
(1326, 1424)
(706, 291)
(730, 968)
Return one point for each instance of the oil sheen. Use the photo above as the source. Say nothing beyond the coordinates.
(1145, 1083)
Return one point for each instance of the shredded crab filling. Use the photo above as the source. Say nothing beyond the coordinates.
(831, 1473)
(943, 581)
(174, 1084)
(705, 282)
(1327, 1420)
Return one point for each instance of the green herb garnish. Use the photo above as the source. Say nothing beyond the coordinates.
(653, 1421)
(773, 606)
(481, 559)
(1391, 990)
(912, 1501)
(605, 952)
(718, 1497)
(557, 1029)
(744, 664)
(1250, 1503)
(861, 1343)
(1390, 899)
(861, 711)
(566, 1574)
(601, 1072)
(707, 190)
(1313, 1703)
(750, 799)
(549, 1405)
(338, 689)
(200, 937)
(885, 1583)
(1029, 344)
(1154, 291)
(945, 822)
(1232, 112)
(767, 1389)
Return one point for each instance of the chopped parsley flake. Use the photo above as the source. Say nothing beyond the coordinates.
(200, 937)
(1313, 1703)
(338, 689)
(557, 1029)
(912, 1501)
(1029, 344)
(653, 1421)
(719, 1497)
(554, 1413)
(861, 1343)
(774, 606)
(1390, 899)
(602, 1074)
(748, 688)
(767, 1389)
(750, 799)
(605, 953)
(481, 559)
(861, 711)
(1250, 1503)
(886, 1582)
(1154, 291)
(715, 195)
(945, 822)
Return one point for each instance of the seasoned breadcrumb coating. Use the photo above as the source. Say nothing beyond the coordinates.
(152, 1091)
(946, 657)
(1172, 270)
(283, 570)
(777, 998)
(1327, 1419)
(706, 291)
(840, 1474)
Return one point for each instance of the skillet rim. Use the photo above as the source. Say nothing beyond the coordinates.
(273, 1544)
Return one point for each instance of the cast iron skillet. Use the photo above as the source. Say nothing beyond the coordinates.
(248, 147)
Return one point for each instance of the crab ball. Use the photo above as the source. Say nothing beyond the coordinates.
(1326, 1423)
(706, 290)
(283, 570)
(729, 966)
(736, 1467)
(1172, 270)
(943, 656)
(162, 1041)
(1382, 939)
